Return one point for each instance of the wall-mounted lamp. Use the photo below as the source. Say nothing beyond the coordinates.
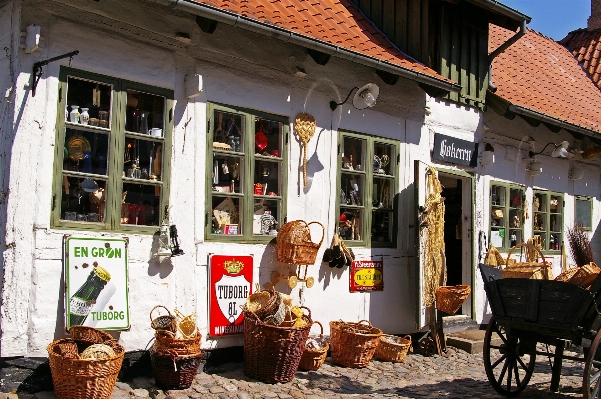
(32, 38)
(487, 157)
(560, 151)
(534, 168)
(364, 98)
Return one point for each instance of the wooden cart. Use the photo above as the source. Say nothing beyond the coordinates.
(527, 312)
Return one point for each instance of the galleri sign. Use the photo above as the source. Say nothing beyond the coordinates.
(450, 149)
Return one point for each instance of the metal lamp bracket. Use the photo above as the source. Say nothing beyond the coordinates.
(37, 68)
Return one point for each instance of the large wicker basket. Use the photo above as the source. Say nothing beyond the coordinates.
(272, 354)
(530, 269)
(294, 243)
(392, 348)
(75, 378)
(172, 371)
(353, 344)
(165, 340)
(582, 276)
(449, 298)
(313, 358)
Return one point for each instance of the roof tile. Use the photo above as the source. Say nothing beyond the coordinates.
(585, 45)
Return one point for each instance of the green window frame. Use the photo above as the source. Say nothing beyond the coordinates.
(96, 185)
(367, 190)
(547, 219)
(506, 215)
(247, 177)
(583, 212)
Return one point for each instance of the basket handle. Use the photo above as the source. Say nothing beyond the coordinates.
(526, 245)
(320, 325)
(367, 321)
(159, 306)
(308, 310)
(323, 231)
(178, 314)
(408, 338)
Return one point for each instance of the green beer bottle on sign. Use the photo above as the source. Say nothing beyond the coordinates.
(82, 301)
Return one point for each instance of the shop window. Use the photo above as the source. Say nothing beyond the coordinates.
(368, 181)
(583, 212)
(506, 215)
(112, 153)
(245, 187)
(547, 219)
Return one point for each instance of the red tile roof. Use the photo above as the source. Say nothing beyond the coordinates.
(586, 48)
(337, 22)
(541, 75)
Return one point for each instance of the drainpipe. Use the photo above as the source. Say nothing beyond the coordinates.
(502, 48)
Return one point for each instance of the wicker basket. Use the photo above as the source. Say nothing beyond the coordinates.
(393, 349)
(172, 371)
(79, 378)
(165, 340)
(531, 269)
(450, 298)
(582, 276)
(163, 323)
(294, 243)
(313, 358)
(263, 303)
(272, 354)
(353, 344)
(89, 335)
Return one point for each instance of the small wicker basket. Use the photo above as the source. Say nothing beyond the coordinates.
(392, 348)
(353, 344)
(313, 358)
(165, 323)
(530, 269)
(450, 298)
(294, 245)
(582, 276)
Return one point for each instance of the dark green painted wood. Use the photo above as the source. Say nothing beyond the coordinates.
(400, 36)
(414, 28)
(388, 20)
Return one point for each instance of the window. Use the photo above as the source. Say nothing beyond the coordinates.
(246, 186)
(584, 209)
(506, 215)
(547, 211)
(112, 154)
(367, 186)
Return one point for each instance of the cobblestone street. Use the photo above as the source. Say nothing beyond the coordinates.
(456, 375)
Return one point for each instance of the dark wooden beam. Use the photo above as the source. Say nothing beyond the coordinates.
(319, 57)
(387, 77)
(206, 25)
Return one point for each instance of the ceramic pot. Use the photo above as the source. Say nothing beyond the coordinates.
(74, 114)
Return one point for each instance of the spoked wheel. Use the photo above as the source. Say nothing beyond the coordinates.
(507, 365)
(592, 370)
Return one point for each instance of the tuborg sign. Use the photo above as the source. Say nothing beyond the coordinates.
(450, 149)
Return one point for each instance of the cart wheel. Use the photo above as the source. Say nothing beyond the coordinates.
(310, 281)
(268, 286)
(507, 365)
(292, 281)
(592, 370)
(275, 278)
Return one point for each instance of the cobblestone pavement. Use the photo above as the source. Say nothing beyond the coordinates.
(457, 374)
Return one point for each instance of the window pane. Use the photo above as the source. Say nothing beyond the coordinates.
(353, 154)
(88, 102)
(83, 199)
(268, 137)
(583, 213)
(352, 189)
(350, 223)
(381, 226)
(86, 152)
(498, 195)
(143, 159)
(383, 193)
(267, 216)
(228, 131)
(516, 196)
(144, 113)
(228, 174)
(383, 156)
(267, 178)
(226, 215)
(140, 204)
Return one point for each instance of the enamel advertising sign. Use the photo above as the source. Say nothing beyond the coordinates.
(96, 284)
(230, 283)
(367, 275)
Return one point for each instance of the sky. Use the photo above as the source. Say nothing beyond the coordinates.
(553, 18)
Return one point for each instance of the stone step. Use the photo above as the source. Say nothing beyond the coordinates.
(471, 341)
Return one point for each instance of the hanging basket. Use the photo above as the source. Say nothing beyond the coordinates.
(313, 358)
(353, 344)
(392, 348)
(450, 298)
(294, 245)
(163, 323)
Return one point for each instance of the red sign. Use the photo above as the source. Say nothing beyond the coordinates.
(366, 275)
(230, 283)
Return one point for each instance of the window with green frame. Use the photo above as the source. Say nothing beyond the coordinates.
(246, 157)
(506, 215)
(583, 209)
(112, 159)
(547, 219)
(367, 188)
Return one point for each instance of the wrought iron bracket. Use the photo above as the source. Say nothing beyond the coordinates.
(37, 68)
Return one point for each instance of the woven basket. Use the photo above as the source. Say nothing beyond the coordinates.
(450, 298)
(79, 378)
(163, 323)
(536, 269)
(98, 351)
(89, 335)
(272, 354)
(393, 349)
(582, 276)
(186, 325)
(313, 358)
(353, 344)
(166, 341)
(172, 371)
(294, 243)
